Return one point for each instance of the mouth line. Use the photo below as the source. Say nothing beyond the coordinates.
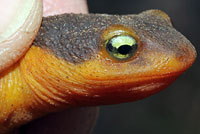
(153, 77)
(170, 74)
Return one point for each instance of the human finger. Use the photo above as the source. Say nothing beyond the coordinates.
(19, 23)
(52, 7)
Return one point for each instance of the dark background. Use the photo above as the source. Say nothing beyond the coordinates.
(175, 110)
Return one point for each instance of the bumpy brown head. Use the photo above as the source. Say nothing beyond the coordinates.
(103, 59)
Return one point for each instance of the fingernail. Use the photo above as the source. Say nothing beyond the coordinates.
(19, 24)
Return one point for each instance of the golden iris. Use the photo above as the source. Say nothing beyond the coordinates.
(121, 47)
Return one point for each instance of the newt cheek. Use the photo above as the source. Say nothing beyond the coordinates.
(168, 58)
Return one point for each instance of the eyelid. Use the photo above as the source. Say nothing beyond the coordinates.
(117, 30)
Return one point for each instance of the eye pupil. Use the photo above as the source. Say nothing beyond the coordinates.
(125, 49)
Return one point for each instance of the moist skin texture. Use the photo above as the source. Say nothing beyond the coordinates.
(68, 65)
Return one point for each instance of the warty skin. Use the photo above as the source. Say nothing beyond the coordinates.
(68, 65)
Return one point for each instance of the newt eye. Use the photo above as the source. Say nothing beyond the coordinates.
(121, 47)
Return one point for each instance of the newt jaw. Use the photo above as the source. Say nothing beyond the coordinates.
(118, 91)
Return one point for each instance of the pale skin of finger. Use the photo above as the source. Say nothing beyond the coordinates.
(52, 7)
(72, 121)
(19, 25)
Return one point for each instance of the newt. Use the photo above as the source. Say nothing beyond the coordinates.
(92, 59)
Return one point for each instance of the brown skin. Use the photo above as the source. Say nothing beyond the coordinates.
(68, 120)
(69, 66)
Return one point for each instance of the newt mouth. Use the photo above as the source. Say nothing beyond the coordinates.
(121, 91)
(126, 91)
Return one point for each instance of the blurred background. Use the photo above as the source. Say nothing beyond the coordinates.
(175, 110)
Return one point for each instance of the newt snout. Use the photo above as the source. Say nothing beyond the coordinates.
(93, 59)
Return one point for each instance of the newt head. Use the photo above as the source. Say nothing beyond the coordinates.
(104, 59)
(93, 59)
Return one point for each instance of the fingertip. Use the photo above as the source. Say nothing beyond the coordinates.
(19, 27)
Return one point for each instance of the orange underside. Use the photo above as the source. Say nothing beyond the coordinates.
(56, 81)
(42, 82)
